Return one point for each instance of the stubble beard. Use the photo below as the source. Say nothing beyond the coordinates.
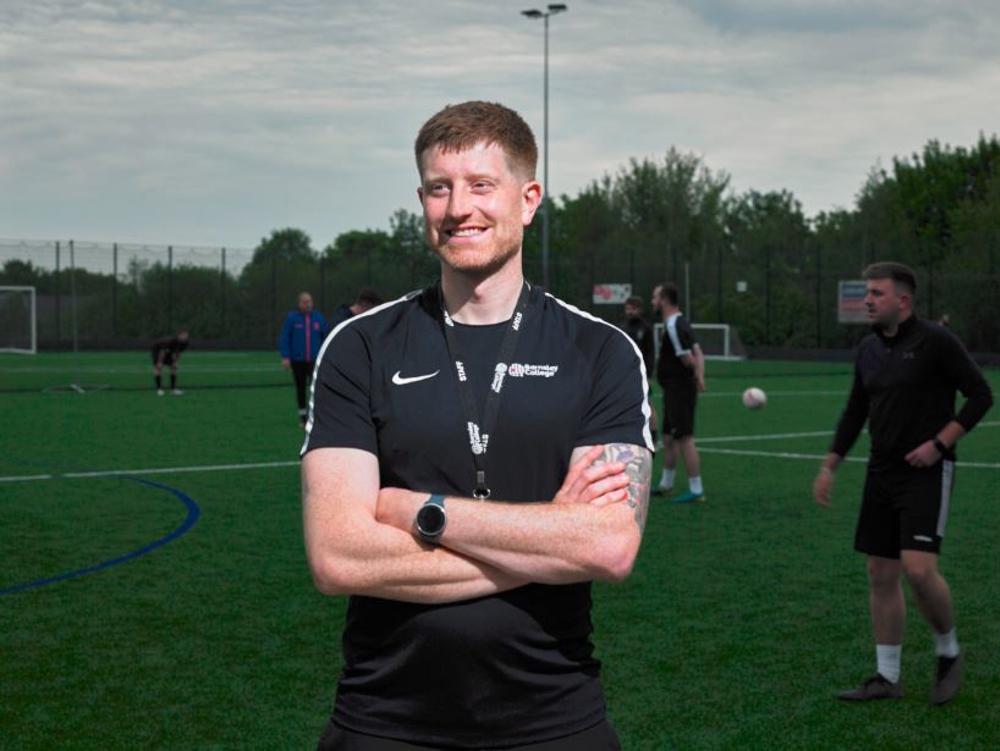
(480, 263)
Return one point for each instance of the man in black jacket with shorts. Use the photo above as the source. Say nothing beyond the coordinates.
(906, 374)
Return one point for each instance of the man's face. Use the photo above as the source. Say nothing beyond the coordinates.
(632, 311)
(475, 208)
(305, 303)
(657, 299)
(886, 305)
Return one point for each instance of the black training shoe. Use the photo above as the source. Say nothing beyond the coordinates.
(949, 677)
(876, 687)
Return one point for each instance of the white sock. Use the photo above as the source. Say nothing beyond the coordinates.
(946, 645)
(667, 479)
(887, 657)
(694, 483)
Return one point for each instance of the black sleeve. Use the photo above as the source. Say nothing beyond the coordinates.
(967, 378)
(617, 411)
(341, 399)
(854, 417)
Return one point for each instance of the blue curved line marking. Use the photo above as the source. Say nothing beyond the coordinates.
(193, 512)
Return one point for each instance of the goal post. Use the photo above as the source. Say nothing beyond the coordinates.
(18, 320)
(718, 341)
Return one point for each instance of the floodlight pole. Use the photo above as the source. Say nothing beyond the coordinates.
(544, 15)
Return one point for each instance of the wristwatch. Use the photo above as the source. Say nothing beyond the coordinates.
(942, 449)
(431, 519)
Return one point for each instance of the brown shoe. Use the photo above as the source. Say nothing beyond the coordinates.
(949, 678)
(875, 687)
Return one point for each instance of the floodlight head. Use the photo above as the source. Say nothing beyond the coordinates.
(557, 8)
(533, 13)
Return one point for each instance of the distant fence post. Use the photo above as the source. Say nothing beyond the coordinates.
(58, 292)
(767, 294)
(222, 294)
(114, 290)
(322, 283)
(819, 292)
(170, 288)
(274, 291)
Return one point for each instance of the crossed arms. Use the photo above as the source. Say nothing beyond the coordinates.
(360, 538)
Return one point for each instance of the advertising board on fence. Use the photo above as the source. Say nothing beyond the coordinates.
(612, 294)
(851, 301)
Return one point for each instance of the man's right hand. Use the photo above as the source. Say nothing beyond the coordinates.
(285, 363)
(823, 486)
(599, 484)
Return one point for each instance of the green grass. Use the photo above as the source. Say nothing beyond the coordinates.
(742, 618)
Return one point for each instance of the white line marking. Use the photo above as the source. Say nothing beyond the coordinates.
(771, 437)
(153, 471)
(273, 465)
(777, 436)
(729, 394)
(131, 369)
(818, 457)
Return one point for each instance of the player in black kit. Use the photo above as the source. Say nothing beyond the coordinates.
(167, 352)
(477, 453)
(906, 374)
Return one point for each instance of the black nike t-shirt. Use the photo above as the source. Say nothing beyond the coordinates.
(509, 668)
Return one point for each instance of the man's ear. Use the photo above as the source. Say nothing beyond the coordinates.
(531, 199)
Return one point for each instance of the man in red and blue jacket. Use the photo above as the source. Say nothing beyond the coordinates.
(301, 337)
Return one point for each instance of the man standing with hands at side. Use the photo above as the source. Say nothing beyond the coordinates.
(477, 453)
(681, 374)
(301, 337)
(906, 374)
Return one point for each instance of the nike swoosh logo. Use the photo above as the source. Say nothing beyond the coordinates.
(401, 381)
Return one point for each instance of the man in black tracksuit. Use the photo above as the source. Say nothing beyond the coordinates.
(905, 378)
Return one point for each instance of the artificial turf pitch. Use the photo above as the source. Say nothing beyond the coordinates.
(193, 623)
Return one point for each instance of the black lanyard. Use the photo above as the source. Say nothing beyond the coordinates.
(479, 435)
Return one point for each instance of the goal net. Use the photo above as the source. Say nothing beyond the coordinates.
(18, 320)
(718, 341)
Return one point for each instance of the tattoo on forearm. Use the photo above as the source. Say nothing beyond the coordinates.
(639, 468)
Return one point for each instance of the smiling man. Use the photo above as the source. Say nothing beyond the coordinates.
(905, 377)
(478, 452)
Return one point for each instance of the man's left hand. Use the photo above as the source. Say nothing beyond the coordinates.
(924, 455)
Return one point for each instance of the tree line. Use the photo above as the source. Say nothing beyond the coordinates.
(751, 259)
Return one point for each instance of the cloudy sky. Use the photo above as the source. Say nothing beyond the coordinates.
(212, 122)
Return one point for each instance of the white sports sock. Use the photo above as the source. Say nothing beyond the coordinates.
(946, 645)
(887, 657)
(694, 483)
(667, 479)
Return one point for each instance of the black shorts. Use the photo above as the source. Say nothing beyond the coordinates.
(905, 509)
(679, 400)
(168, 357)
(600, 737)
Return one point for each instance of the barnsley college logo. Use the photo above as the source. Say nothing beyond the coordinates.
(524, 370)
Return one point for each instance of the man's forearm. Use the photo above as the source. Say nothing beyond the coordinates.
(389, 563)
(951, 434)
(554, 543)
(544, 542)
(350, 552)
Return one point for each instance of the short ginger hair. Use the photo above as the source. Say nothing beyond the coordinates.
(460, 127)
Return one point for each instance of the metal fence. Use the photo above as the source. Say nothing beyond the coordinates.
(121, 295)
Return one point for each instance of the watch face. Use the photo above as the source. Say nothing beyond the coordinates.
(430, 520)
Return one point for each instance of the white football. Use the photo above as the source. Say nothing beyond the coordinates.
(754, 398)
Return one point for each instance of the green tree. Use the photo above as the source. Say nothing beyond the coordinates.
(769, 233)
(283, 265)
